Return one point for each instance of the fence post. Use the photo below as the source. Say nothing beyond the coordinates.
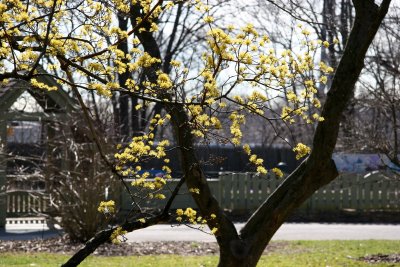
(3, 197)
(220, 190)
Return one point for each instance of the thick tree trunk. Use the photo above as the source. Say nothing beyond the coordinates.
(226, 235)
(122, 78)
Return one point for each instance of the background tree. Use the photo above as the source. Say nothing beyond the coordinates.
(330, 20)
(363, 127)
(235, 58)
(375, 128)
(180, 29)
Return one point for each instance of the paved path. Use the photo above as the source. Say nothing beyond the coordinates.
(27, 228)
(289, 231)
(27, 234)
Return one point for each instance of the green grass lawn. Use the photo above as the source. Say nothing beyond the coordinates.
(295, 253)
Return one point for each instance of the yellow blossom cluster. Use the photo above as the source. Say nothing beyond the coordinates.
(301, 150)
(118, 235)
(142, 148)
(190, 215)
(277, 172)
(202, 123)
(255, 160)
(194, 190)
(237, 121)
(163, 81)
(43, 86)
(106, 207)
(258, 162)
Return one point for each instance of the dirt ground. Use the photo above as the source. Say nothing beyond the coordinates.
(64, 246)
(382, 258)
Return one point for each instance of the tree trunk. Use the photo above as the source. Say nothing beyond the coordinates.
(122, 78)
(226, 235)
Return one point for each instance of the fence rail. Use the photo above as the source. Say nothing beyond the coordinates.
(242, 192)
(26, 203)
(349, 191)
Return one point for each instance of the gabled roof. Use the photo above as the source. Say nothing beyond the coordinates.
(56, 104)
(51, 101)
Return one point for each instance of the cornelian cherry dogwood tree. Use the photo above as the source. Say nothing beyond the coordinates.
(238, 73)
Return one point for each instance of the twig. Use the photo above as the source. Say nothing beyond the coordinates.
(104, 236)
(95, 137)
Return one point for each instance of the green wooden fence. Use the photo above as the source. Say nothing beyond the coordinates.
(377, 192)
(183, 199)
(244, 192)
(241, 192)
